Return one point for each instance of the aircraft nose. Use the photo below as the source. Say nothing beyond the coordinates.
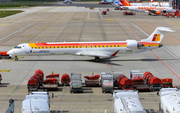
(10, 52)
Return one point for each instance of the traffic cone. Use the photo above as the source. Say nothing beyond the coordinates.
(106, 64)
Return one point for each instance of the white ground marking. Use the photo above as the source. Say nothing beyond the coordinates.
(162, 47)
(100, 13)
(14, 32)
(60, 33)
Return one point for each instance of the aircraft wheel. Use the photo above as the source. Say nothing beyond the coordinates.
(16, 59)
(97, 59)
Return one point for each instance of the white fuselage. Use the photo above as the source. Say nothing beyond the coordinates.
(89, 50)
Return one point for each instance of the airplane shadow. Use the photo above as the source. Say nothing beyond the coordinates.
(4, 84)
(102, 61)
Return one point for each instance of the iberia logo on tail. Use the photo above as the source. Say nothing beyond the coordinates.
(156, 37)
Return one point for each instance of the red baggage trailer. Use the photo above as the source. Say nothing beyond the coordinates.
(124, 83)
(50, 84)
(56, 76)
(138, 81)
(32, 84)
(166, 82)
(153, 82)
(65, 79)
(92, 80)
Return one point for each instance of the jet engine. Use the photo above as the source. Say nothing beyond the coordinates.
(156, 12)
(133, 44)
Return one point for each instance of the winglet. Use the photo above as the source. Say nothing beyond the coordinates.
(113, 55)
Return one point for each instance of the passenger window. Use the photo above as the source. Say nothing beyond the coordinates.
(42, 47)
(107, 46)
(54, 47)
(61, 46)
(73, 46)
(76, 46)
(69, 46)
(35, 47)
(58, 47)
(32, 48)
(65, 46)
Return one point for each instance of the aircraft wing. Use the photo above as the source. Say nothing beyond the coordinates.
(98, 53)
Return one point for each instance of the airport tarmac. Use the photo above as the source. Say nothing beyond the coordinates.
(74, 24)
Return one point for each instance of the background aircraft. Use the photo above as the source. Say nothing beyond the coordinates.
(151, 9)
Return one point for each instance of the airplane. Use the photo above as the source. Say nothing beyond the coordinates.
(152, 3)
(93, 49)
(117, 3)
(150, 9)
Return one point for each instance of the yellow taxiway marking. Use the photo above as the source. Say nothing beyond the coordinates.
(78, 19)
(5, 70)
(24, 41)
(110, 19)
(4, 24)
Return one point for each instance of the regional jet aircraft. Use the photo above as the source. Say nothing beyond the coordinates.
(93, 49)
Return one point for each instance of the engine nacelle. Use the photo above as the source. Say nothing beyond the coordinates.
(133, 44)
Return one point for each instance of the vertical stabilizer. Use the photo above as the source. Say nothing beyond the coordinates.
(158, 34)
(126, 3)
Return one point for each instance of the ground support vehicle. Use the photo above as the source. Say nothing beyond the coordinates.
(75, 83)
(67, 1)
(92, 82)
(65, 79)
(128, 13)
(169, 100)
(178, 15)
(127, 101)
(103, 12)
(115, 77)
(152, 81)
(50, 84)
(166, 82)
(56, 76)
(36, 102)
(107, 82)
(32, 84)
(167, 15)
(138, 82)
(4, 55)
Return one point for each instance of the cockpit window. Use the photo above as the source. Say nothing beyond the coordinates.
(18, 47)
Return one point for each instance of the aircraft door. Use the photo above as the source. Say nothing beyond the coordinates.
(27, 49)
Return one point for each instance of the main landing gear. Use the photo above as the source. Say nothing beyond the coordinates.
(16, 58)
(97, 59)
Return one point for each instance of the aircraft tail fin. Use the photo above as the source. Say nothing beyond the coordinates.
(152, 1)
(158, 34)
(126, 3)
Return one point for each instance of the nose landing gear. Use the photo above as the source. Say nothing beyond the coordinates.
(97, 59)
(16, 58)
